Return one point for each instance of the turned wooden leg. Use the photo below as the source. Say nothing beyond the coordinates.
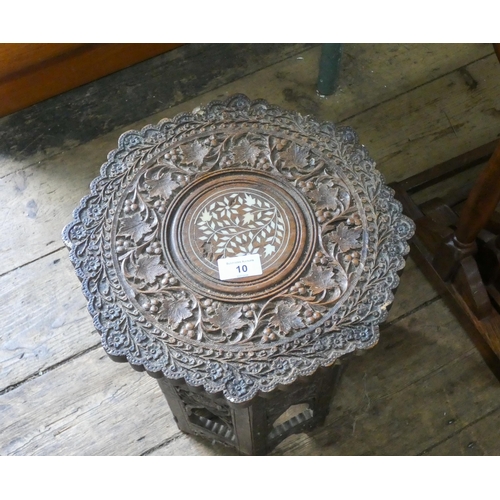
(480, 205)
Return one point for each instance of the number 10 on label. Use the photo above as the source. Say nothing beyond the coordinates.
(239, 267)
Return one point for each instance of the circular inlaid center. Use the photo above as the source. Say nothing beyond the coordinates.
(234, 213)
(236, 221)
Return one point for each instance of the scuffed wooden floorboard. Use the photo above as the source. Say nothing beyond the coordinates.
(87, 406)
(41, 198)
(389, 401)
(422, 389)
(44, 318)
(478, 438)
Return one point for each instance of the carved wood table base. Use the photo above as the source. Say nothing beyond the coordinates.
(245, 180)
(253, 428)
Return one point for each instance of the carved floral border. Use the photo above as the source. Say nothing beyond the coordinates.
(332, 310)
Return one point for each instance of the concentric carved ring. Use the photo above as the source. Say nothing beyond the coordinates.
(234, 213)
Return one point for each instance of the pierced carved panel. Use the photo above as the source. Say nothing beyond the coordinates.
(233, 178)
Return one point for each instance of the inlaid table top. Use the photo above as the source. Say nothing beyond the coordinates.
(245, 181)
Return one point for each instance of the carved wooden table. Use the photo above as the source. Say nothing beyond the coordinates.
(239, 179)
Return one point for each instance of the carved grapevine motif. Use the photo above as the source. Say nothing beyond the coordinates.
(286, 317)
(148, 315)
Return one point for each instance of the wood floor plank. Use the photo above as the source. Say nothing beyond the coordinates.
(479, 438)
(408, 422)
(55, 325)
(43, 318)
(85, 113)
(36, 203)
(435, 122)
(88, 406)
(419, 385)
(371, 73)
(422, 383)
(39, 200)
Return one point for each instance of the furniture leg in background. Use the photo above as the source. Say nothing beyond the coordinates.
(457, 242)
(329, 68)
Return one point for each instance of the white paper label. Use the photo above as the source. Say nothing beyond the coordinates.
(239, 267)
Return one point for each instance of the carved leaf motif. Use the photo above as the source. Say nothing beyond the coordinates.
(286, 317)
(295, 156)
(246, 152)
(175, 311)
(194, 153)
(148, 268)
(227, 318)
(163, 186)
(326, 197)
(346, 237)
(207, 359)
(319, 279)
(134, 227)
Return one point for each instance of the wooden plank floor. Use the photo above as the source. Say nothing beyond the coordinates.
(422, 390)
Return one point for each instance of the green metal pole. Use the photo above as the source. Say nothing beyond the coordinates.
(329, 68)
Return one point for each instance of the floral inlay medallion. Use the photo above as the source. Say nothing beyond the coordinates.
(234, 224)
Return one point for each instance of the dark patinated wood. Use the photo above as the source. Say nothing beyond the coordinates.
(253, 429)
(239, 178)
(481, 201)
(458, 250)
(32, 72)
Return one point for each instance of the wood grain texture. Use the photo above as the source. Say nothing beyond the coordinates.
(40, 328)
(125, 97)
(21, 57)
(479, 438)
(394, 427)
(424, 365)
(444, 118)
(39, 199)
(389, 403)
(30, 73)
(88, 406)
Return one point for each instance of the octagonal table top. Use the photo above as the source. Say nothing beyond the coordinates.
(238, 182)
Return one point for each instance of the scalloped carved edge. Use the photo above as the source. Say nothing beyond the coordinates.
(229, 383)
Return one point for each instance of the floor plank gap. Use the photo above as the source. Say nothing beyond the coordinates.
(48, 369)
(381, 103)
